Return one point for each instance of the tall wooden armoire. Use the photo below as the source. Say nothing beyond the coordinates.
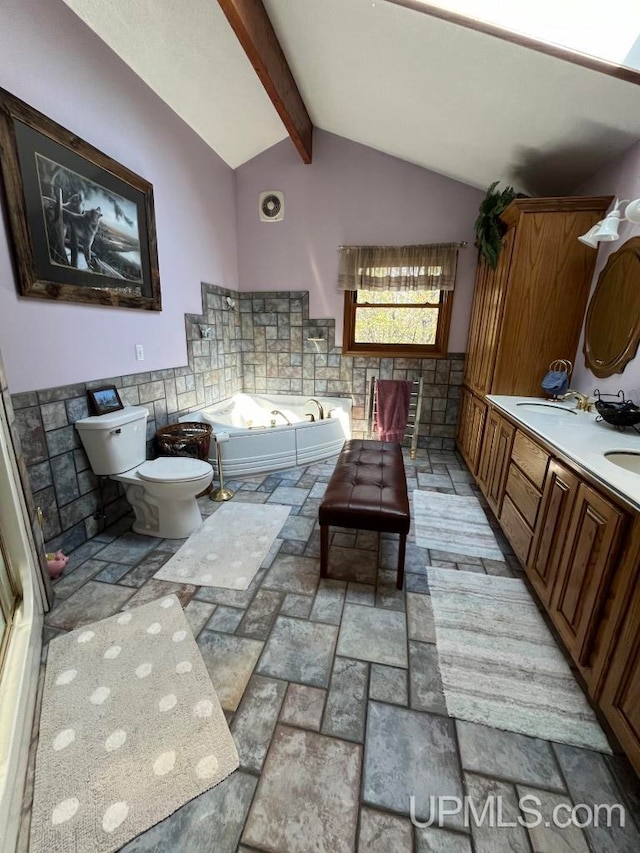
(530, 309)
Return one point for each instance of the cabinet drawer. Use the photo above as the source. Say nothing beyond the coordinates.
(530, 458)
(524, 494)
(516, 530)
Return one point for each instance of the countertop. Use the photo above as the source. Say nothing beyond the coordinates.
(580, 438)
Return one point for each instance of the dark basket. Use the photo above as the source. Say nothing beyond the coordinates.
(186, 439)
(619, 414)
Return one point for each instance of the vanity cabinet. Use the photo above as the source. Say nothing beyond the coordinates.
(579, 545)
(564, 532)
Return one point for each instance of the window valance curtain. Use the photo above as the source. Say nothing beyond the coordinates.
(422, 267)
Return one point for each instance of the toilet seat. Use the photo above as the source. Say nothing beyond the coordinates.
(173, 469)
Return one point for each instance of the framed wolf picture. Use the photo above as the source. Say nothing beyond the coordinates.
(83, 226)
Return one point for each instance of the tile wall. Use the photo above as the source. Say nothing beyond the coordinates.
(260, 345)
(36, 532)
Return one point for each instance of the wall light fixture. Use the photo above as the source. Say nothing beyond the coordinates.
(606, 231)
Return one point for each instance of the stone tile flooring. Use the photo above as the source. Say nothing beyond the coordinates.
(332, 692)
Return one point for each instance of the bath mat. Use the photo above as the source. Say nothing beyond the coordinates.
(229, 548)
(453, 523)
(131, 729)
(500, 666)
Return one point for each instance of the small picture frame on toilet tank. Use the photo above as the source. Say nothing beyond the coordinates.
(104, 400)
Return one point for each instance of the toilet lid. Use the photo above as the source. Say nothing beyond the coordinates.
(171, 469)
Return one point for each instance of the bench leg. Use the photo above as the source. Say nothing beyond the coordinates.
(401, 551)
(324, 550)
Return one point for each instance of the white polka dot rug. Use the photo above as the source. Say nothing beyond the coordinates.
(229, 547)
(130, 730)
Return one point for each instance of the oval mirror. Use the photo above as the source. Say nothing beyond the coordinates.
(612, 328)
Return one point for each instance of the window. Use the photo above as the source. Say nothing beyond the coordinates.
(397, 299)
(580, 27)
(396, 322)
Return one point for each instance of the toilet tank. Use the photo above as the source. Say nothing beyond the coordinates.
(115, 442)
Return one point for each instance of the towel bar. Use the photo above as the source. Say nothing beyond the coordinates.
(413, 421)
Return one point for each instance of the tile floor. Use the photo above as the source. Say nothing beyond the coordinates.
(332, 693)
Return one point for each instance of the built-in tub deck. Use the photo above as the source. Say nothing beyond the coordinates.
(255, 445)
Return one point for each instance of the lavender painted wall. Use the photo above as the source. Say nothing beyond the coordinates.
(621, 179)
(54, 62)
(351, 194)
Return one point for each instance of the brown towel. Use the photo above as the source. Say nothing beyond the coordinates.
(392, 408)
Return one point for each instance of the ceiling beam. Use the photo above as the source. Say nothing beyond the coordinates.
(251, 24)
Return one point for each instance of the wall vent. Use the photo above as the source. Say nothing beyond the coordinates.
(271, 206)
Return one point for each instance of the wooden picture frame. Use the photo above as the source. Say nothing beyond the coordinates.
(104, 400)
(83, 225)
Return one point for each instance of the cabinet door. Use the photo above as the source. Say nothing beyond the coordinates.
(471, 428)
(473, 363)
(462, 435)
(494, 459)
(586, 565)
(479, 414)
(501, 455)
(487, 457)
(620, 697)
(550, 532)
(486, 318)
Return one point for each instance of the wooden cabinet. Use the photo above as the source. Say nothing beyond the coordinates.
(529, 311)
(494, 459)
(580, 547)
(566, 535)
(471, 423)
(584, 573)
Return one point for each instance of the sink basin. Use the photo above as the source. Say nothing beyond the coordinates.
(546, 408)
(625, 459)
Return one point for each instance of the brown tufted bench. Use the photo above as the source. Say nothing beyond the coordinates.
(367, 491)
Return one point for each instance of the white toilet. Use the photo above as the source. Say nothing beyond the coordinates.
(162, 492)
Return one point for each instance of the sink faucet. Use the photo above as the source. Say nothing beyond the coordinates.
(320, 409)
(583, 404)
(278, 412)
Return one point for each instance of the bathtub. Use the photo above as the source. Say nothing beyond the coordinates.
(259, 441)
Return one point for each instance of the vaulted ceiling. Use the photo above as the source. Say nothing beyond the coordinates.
(447, 97)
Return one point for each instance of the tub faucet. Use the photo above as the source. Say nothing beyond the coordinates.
(582, 404)
(278, 412)
(320, 409)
